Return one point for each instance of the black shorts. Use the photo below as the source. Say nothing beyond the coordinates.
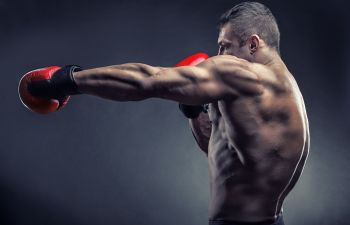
(278, 221)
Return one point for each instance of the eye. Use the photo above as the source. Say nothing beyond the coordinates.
(221, 49)
(224, 45)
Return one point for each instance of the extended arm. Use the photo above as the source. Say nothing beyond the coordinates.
(125, 82)
(216, 78)
(221, 77)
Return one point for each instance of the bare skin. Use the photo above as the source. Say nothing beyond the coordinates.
(256, 133)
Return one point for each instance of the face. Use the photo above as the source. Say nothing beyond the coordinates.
(229, 44)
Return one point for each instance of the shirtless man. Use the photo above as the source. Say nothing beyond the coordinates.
(255, 134)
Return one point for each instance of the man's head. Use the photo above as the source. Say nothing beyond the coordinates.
(246, 29)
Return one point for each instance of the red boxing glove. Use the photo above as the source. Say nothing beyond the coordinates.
(47, 89)
(193, 59)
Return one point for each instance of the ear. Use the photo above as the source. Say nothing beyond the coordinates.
(254, 42)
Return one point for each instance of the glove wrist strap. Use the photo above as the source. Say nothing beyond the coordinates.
(64, 81)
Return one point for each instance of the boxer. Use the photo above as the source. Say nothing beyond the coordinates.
(244, 107)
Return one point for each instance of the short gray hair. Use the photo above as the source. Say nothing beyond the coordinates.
(250, 18)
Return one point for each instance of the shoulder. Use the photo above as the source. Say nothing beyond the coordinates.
(220, 62)
(232, 66)
(232, 73)
(274, 76)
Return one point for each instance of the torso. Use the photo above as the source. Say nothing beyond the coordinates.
(257, 150)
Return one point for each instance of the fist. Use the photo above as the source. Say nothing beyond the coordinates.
(37, 93)
(193, 59)
(191, 111)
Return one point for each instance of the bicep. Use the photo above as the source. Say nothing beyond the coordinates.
(217, 78)
(188, 84)
(240, 75)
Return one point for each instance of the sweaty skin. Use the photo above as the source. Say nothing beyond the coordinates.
(257, 150)
(256, 133)
(256, 145)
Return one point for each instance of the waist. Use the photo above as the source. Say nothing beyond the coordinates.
(276, 221)
(226, 204)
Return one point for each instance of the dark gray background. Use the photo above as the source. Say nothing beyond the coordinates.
(103, 162)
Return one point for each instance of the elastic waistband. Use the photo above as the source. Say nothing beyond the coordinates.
(277, 221)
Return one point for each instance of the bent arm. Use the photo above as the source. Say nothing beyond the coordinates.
(201, 130)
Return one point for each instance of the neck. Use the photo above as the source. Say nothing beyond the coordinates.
(267, 57)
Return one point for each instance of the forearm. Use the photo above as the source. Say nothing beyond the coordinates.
(201, 130)
(125, 82)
